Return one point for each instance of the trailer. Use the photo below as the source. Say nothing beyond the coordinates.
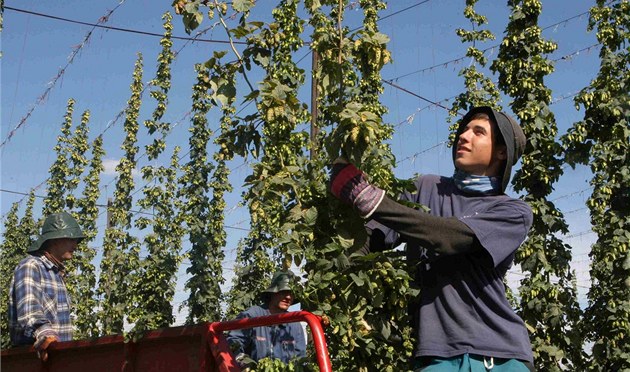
(199, 348)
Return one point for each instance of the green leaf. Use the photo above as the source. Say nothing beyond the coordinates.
(242, 5)
(310, 216)
(358, 281)
(346, 243)
(386, 330)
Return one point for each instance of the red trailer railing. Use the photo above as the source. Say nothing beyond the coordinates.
(189, 348)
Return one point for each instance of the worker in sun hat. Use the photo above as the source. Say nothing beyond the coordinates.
(39, 306)
(462, 248)
(283, 341)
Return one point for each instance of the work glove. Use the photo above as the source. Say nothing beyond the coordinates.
(43, 342)
(349, 184)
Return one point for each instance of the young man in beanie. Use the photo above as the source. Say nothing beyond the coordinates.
(283, 341)
(39, 306)
(462, 248)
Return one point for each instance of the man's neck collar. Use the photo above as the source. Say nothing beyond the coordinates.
(478, 185)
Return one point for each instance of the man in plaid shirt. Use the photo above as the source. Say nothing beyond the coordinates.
(39, 306)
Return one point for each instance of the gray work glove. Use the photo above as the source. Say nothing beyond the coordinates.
(349, 184)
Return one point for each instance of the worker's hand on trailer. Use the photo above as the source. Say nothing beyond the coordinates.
(42, 343)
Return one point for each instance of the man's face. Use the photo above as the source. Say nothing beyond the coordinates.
(476, 153)
(280, 302)
(62, 248)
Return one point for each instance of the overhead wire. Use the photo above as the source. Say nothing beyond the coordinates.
(553, 101)
(402, 10)
(577, 52)
(434, 103)
(139, 32)
(579, 192)
(101, 20)
(581, 233)
(456, 60)
(414, 156)
(120, 114)
(60, 73)
(437, 104)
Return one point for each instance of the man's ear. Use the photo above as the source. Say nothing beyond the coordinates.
(501, 152)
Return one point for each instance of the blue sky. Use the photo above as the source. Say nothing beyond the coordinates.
(427, 57)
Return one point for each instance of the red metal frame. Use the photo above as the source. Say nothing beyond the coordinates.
(220, 348)
(201, 348)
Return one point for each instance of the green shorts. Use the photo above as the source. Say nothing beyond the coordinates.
(469, 363)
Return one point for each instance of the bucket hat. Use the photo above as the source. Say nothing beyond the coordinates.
(57, 226)
(281, 281)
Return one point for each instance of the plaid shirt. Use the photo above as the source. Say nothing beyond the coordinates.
(38, 302)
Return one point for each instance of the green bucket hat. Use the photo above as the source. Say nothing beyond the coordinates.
(281, 281)
(57, 226)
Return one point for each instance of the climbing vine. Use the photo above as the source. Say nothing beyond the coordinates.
(11, 253)
(162, 84)
(602, 140)
(153, 284)
(224, 95)
(279, 112)
(365, 297)
(77, 146)
(480, 89)
(81, 281)
(84, 275)
(270, 192)
(55, 200)
(18, 236)
(120, 248)
(204, 299)
(1, 18)
(292, 217)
